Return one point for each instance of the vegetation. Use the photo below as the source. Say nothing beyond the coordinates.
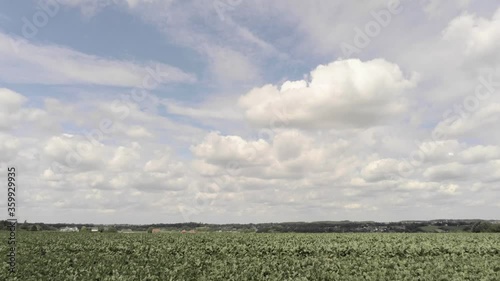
(111, 229)
(302, 227)
(484, 226)
(252, 256)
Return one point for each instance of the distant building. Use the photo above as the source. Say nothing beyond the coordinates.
(128, 230)
(69, 229)
(94, 229)
(183, 231)
(155, 230)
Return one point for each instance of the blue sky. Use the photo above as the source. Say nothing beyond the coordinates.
(251, 111)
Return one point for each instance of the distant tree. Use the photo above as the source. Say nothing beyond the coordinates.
(150, 229)
(101, 229)
(24, 226)
(495, 227)
(482, 226)
(111, 229)
(84, 229)
(33, 228)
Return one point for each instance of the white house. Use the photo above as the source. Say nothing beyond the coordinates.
(94, 229)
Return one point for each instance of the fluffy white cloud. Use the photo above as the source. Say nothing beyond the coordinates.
(476, 38)
(126, 158)
(344, 93)
(9, 146)
(378, 170)
(219, 149)
(470, 123)
(449, 171)
(14, 115)
(479, 154)
(72, 152)
(10, 101)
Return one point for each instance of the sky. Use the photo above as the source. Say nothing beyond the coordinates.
(239, 111)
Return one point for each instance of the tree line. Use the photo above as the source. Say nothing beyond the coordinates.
(475, 226)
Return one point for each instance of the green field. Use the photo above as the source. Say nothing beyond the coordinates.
(250, 256)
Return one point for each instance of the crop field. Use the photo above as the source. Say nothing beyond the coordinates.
(244, 256)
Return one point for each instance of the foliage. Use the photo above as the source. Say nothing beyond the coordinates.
(443, 225)
(111, 229)
(252, 256)
(484, 226)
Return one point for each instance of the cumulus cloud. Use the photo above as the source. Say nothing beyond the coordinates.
(338, 170)
(476, 38)
(472, 123)
(342, 94)
(449, 171)
(11, 101)
(479, 154)
(219, 149)
(378, 170)
(14, 114)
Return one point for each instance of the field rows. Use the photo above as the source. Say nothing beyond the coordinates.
(244, 256)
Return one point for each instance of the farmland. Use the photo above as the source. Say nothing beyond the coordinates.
(253, 256)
